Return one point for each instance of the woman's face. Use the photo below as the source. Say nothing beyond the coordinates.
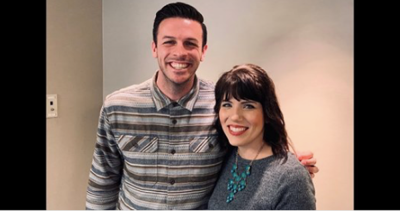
(242, 122)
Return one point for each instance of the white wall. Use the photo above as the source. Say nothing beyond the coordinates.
(305, 45)
(74, 72)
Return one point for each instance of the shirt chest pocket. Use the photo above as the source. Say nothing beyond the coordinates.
(140, 160)
(204, 145)
(144, 144)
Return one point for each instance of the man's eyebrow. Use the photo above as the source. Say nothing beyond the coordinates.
(192, 39)
(168, 37)
(188, 39)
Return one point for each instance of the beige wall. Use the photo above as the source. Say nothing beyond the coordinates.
(74, 72)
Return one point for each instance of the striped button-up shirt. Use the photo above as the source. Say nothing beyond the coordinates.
(152, 153)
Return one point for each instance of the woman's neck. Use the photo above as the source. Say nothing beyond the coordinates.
(250, 153)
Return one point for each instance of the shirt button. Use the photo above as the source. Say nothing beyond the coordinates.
(174, 121)
(210, 145)
(174, 104)
(173, 151)
(172, 181)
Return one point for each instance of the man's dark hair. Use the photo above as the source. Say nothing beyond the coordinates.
(180, 10)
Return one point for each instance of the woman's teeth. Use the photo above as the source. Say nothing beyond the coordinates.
(237, 129)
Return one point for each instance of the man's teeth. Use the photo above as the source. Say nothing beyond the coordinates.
(179, 65)
(237, 129)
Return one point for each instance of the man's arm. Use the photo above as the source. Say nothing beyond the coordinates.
(306, 158)
(105, 173)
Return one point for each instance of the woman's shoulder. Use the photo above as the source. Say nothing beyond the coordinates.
(291, 166)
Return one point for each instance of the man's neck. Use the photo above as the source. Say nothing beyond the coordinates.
(174, 91)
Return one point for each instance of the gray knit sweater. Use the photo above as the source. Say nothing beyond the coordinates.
(271, 186)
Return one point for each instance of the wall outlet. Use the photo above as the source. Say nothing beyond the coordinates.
(51, 106)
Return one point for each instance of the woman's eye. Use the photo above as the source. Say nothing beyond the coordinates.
(225, 105)
(249, 106)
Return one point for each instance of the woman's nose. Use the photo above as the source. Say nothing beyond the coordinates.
(236, 114)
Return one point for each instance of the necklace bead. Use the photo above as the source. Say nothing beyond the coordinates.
(238, 183)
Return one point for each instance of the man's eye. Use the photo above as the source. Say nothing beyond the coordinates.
(191, 44)
(168, 42)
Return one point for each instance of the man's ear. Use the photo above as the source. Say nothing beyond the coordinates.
(203, 53)
(154, 49)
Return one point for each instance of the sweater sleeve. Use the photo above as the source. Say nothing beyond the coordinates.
(105, 173)
(295, 190)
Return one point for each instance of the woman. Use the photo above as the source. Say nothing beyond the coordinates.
(260, 172)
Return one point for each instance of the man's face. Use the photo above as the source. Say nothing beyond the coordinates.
(178, 51)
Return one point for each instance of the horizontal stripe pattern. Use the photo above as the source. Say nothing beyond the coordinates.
(152, 153)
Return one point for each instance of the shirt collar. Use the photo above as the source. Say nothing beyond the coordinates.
(161, 100)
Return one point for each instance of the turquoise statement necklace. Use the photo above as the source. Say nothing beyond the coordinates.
(238, 182)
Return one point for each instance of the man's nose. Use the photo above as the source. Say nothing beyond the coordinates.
(180, 50)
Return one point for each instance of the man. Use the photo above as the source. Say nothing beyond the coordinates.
(157, 147)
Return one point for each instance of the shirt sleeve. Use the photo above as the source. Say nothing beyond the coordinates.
(105, 172)
(295, 190)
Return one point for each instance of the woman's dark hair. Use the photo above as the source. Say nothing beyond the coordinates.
(251, 82)
(180, 10)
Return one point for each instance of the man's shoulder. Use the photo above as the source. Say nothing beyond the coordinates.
(206, 84)
(132, 93)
